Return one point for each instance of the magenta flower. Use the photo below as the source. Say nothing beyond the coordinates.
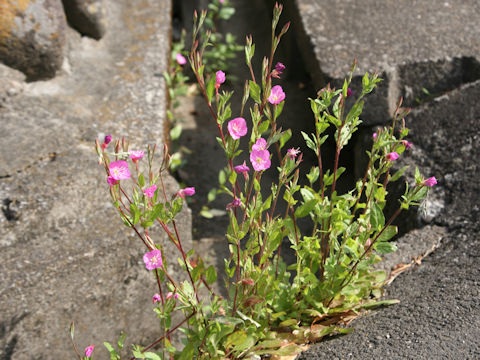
(111, 181)
(276, 95)
(279, 67)
(219, 78)
(392, 156)
(374, 136)
(241, 168)
(235, 203)
(221, 1)
(136, 155)
(180, 59)
(153, 259)
(349, 92)
(260, 159)
(119, 170)
(156, 298)
(89, 350)
(237, 128)
(430, 182)
(188, 191)
(150, 191)
(260, 145)
(106, 141)
(292, 153)
(407, 144)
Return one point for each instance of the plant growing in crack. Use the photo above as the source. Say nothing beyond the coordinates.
(271, 308)
(222, 48)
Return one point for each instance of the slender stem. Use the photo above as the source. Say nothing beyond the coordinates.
(167, 334)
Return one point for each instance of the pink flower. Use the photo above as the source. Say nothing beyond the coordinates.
(430, 182)
(219, 78)
(407, 144)
(221, 1)
(156, 298)
(189, 191)
(235, 203)
(153, 259)
(260, 159)
(237, 128)
(180, 59)
(111, 181)
(392, 156)
(136, 155)
(89, 350)
(374, 136)
(292, 153)
(119, 170)
(349, 92)
(150, 191)
(261, 144)
(241, 168)
(170, 295)
(276, 95)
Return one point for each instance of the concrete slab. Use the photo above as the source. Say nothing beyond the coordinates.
(65, 253)
(408, 43)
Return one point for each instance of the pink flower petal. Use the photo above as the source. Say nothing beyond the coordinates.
(237, 128)
(119, 170)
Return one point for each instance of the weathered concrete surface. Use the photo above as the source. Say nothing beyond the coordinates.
(32, 36)
(86, 16)
(413, 45)
(65, 252)
(438, 317)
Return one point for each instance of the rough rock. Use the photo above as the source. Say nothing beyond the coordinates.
(32, 36)
(65, 252)
(416, 46)
(86, 16)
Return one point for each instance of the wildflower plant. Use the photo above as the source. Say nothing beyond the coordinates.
(270, 308)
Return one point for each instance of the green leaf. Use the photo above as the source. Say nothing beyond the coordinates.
(211, 88)
(288, 323)
(263, 127)
(151, 356)
(121, 340)
(286, 135)
(377, 220)
(377, 304)
(226, 13)
(254, 91)
(388, 233)
(237, 338)
(113, 353)
(278, 109)
(141, 180)
(210, 275)
(175, 132)
(398, 173)
(309, 142)
(385, 247)
(305, 209)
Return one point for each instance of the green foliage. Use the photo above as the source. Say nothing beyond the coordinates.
(272, 309)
